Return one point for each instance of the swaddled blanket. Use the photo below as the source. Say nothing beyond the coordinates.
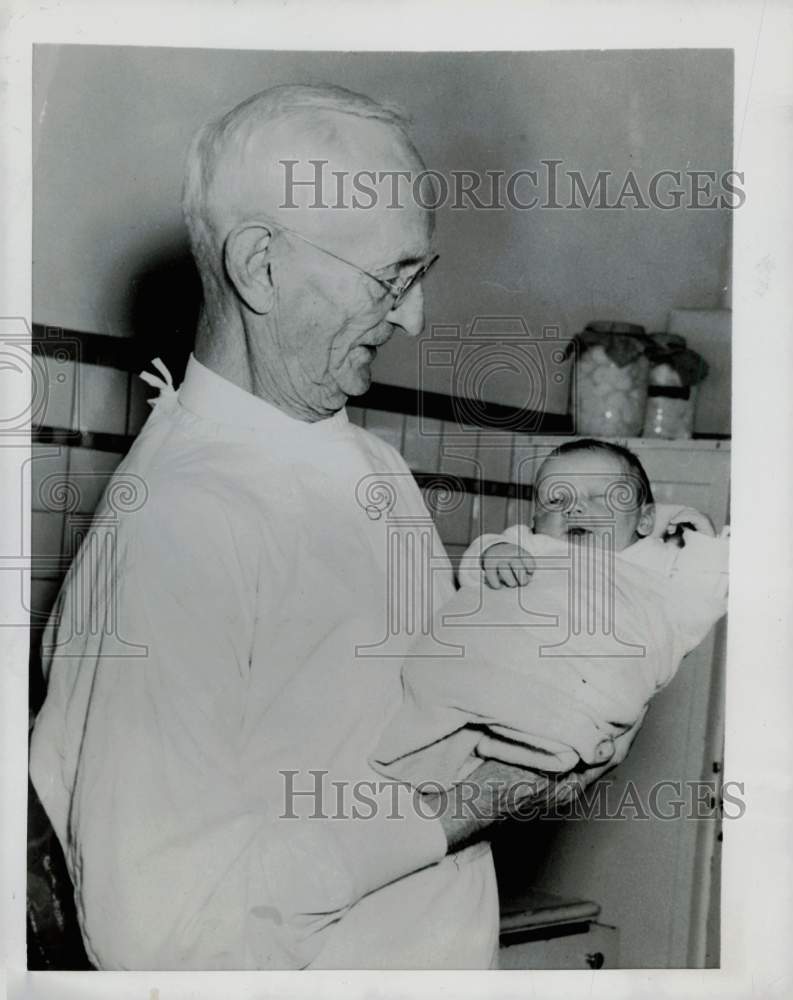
(549, 675)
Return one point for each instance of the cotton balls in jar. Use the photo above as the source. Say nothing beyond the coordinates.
(610, 398)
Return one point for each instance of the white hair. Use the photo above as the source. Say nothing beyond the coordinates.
(312, 107)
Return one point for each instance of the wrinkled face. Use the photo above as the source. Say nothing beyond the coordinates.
(330, 318)
(318, 337)
(584, 494)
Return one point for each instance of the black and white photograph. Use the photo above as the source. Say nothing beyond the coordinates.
(379, 569)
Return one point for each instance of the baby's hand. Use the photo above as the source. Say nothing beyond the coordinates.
(689, 518)
(506, 565)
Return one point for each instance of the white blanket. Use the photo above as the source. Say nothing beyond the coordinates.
(547, 676)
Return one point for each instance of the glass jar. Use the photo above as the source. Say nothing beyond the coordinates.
(670, 405)
(675, 374)
(611, 388)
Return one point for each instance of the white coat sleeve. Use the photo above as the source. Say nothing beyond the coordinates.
(177, 852)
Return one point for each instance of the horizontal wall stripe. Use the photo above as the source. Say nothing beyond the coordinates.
(462, 411)
(469, 484)
(89, 348)
(128, 354)
(97, 440)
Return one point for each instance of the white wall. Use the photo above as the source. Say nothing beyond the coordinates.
(113, 124)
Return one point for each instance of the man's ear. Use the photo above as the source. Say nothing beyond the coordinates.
(246, 256)
(646, 520)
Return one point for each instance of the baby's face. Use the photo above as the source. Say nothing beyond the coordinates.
(590, 493)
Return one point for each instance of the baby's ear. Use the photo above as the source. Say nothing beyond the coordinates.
(646, 520)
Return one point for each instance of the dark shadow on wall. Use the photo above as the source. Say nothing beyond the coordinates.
(162, 310)
(520, 847)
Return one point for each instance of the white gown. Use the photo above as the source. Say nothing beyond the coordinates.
(216, 644)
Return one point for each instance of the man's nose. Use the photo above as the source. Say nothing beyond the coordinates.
(409, 314)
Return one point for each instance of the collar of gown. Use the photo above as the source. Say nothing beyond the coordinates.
(208, 395)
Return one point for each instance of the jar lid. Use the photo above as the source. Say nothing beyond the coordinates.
(614, 326)
(622, 342)
(668, 351)
(668, 341)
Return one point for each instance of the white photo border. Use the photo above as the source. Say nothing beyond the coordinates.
(756, 901)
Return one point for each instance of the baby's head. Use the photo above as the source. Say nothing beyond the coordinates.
(591, 487)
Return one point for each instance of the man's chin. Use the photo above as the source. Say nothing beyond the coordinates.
(357, 380)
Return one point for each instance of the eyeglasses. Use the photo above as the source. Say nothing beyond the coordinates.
(399, 287)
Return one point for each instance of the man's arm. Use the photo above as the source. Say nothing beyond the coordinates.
(493, 792)
(171, 822)
(496, 791)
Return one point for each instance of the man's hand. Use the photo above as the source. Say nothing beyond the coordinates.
(507, 565)
(498, 791)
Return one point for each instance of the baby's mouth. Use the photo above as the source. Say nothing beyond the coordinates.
(577, 531)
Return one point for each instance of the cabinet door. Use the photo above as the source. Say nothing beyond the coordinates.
(695, 476)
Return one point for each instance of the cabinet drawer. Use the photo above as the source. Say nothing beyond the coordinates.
(597, 948)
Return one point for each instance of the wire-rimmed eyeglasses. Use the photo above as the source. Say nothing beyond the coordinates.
(398, 287)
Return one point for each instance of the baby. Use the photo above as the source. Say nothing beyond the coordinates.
(581, 622)
(586, 491)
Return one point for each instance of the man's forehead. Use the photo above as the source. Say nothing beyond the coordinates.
(347, 184)
(333, 149)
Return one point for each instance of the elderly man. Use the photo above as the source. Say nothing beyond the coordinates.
(201, 755)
